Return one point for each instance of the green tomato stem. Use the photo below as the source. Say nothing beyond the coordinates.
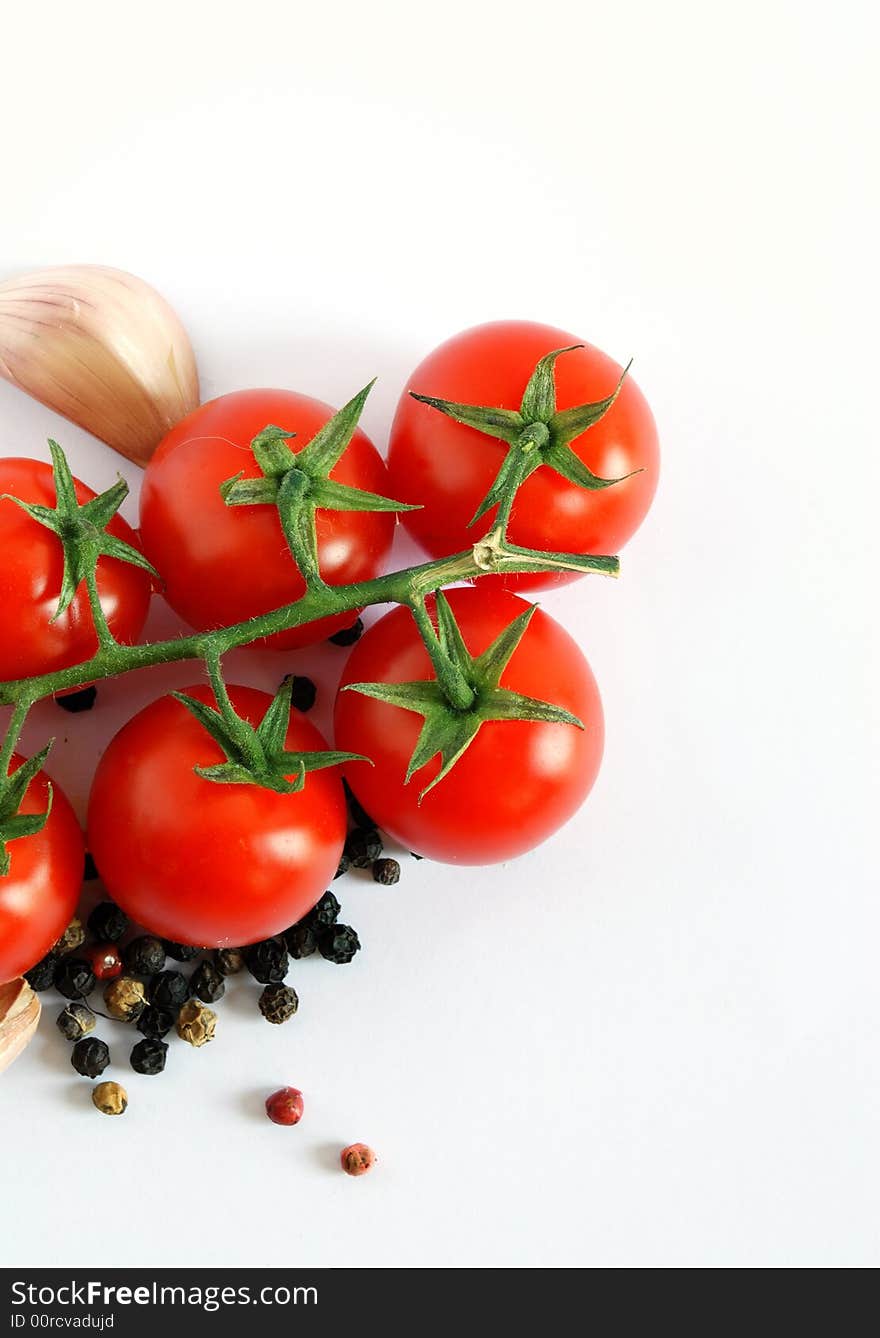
(492, 555)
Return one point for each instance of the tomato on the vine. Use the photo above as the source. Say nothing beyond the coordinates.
(223, 564)
(39, 893)
(449, 467)
(517, 781)
(203, 862)
(34, 638)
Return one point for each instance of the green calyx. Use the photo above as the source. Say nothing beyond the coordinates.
(450, 729)
(13, 824)
(256, 756)
(536, 434)
(82, 532)
(298, 483)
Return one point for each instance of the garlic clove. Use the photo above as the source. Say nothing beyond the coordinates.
(102, 348)
(19, 1014)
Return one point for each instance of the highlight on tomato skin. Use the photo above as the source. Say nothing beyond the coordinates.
(205, 863)
(449, 467)
(518, 782)
(39, 894)
(224, 564)
(33, 640)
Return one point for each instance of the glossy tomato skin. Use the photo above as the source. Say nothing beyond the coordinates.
(30, 582)
(39, 894)
(517, 782)
(203, 863)
(224, 564)
(449, 468)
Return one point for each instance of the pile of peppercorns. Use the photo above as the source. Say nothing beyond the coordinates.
(139, 987)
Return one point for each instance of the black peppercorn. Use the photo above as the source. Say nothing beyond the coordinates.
(278, 1003)
(169, 989)
(90, 1057)
(207, 983)
(343, 866)
(107, 922)
(75, 702)
(324, 913)
(144, 956)
(75, 1021)
(349, 635)
(301, 940)
(339, 944)
(148, 1056)
(90, 870)
(74, 978)
(42, 975)
(302, 691)
(181, 952)
(267, 961)
(229, 961)
(362, 846)
(156, 1021)
(359, 815)
(386, 872)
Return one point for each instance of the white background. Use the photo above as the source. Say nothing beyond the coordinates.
(654, 1041)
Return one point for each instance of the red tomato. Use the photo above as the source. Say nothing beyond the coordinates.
(30, 582)
(39, 894)
(517, 782)
(449, 467)
(206, 863)
(225, 564)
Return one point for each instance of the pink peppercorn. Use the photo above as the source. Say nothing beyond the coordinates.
(285, 1106)
(105, 960)
(357, 1159)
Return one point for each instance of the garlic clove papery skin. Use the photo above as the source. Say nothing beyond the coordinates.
(102, 348)
(19, 1014)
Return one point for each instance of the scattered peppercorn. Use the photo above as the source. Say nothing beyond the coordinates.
(148, 1056)
(229, 961)
(74, 978)
(73, 937)
(144, 956)
(156, 1022)
(125, 998)
(83, 700)
(357, 1159)
(339, 944)
(343, 866)
(301, 940)
(105, 960)
(349, 635)
(302, 691)
(75, 1021)
(169, 989)
(110, 1099)
(107, 922)
(278, 1003)
(90, 870)
(181, 952)
(196, 1023)
(362, 846)
(386, 872)
(359, 815)
(207, 983)
(285, 1106)
(267, 961)
(90, 1057)
(324, 912)
(42, 974)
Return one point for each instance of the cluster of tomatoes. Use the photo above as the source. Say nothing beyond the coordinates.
(218, 864)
